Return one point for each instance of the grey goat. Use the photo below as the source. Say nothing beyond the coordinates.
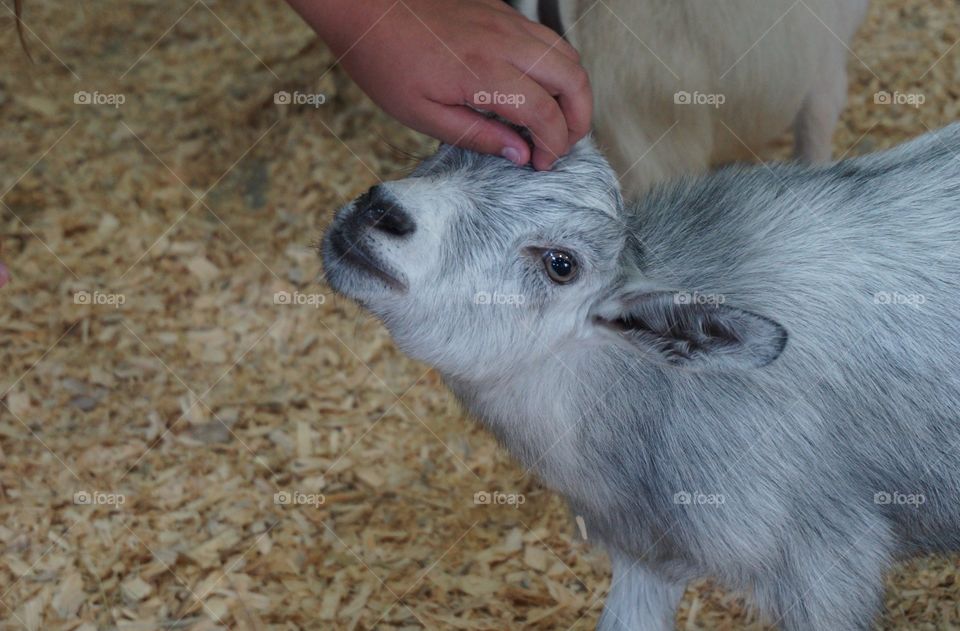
(754, 375)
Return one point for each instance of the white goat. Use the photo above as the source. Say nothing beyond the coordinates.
(683, 85)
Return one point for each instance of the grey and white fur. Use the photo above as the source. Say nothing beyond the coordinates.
(753, 375)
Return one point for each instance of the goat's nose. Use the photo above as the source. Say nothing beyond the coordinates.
(382, 213)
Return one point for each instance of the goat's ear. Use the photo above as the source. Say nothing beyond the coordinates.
(694, 331)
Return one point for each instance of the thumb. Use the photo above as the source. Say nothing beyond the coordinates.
(463, 127)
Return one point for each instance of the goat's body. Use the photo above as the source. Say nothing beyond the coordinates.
(860, 262)
(776, 64)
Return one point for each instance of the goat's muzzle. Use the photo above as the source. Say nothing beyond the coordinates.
(348, 239)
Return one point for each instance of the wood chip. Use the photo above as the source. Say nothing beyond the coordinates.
(135, 589)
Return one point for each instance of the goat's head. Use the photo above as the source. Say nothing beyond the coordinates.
(475, 264)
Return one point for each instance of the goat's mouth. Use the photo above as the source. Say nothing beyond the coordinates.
(344, 251)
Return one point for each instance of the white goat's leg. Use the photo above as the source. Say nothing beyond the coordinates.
(815, 123)
(639, 599)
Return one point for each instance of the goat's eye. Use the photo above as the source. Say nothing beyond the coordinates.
(561, 266)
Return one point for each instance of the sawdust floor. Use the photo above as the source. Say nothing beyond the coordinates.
(156, 398)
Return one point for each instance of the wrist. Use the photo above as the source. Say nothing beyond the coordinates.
(341, 23)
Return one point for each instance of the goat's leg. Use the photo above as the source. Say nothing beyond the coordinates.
(815, 123)
(829, 587)
(639, 599)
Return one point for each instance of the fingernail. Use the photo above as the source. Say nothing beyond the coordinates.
(511, 154)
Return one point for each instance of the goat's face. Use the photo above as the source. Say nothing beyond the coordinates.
(473, 263)
(476, 265)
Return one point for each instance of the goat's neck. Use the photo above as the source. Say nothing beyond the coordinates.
(556, 418)
(573, 446)
(531, 414)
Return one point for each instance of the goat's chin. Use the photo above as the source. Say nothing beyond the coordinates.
(352, 284)
(358, 285)
(355, 272)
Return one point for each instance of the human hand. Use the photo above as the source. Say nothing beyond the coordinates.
(428, 63)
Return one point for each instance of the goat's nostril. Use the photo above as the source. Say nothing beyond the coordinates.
(394, 221)
(378, 210)
(390, 218)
